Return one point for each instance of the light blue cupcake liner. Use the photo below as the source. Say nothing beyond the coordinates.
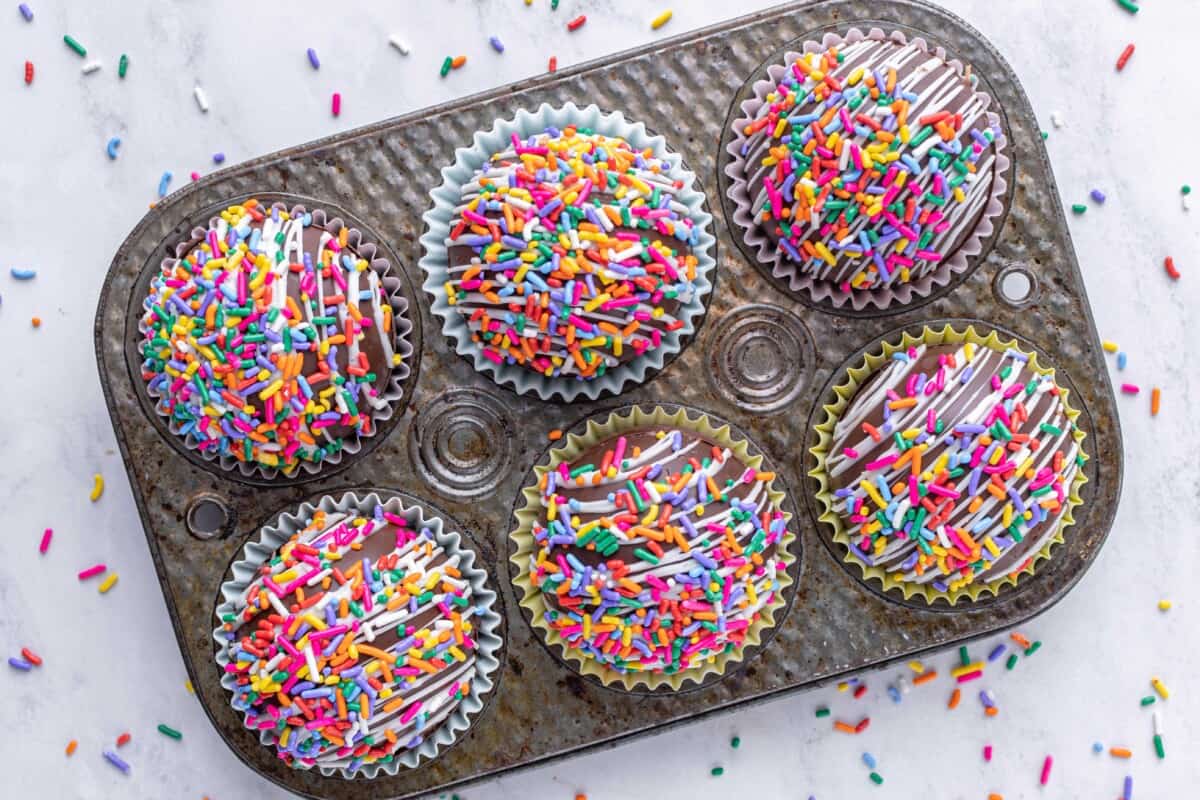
(440, 219)
(258, 551)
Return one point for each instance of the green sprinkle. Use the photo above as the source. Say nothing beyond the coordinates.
(822, 712)
(876, 778)
(1128, 5)
(166, 730)
(446, 65)
(1079, 208)
(1148, 700)
(718, 772)
(1185, 189)
(1012, 661)
(735, 742)
(1033, 648)
(963, 656)
(1045, 135)
(122, 66)
(1158, 746)
(74, 45)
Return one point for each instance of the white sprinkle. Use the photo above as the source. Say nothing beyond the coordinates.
(1157, 717)
(201, 99)
(90, 67)
(401, 45)
(1057, 119)
(1187, 203)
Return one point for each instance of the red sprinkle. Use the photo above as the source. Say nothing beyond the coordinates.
(577, 23)
(862, 726)
(1169, 265)
(1125, 54)
(337, 103)
(123, 739)
(553, 63)
(28, 72)
(46, 535)
(31, 657)
(860, 691)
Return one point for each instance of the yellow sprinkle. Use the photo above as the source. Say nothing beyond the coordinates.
(188, 685)
(661, 19)
(97, 486)
(1158, 687)
(917, 667)
(109, 582)
(1109, 347)
(966, 668)
(1164, 605)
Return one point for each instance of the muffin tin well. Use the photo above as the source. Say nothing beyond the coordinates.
(761, 360)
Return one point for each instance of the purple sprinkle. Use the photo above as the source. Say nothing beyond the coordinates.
(116, 761)
(1127, 790)
(497, 45)
(1097, 195)
(19, 663)
(997, 651)
(218, 158)
(312, 59)
(26, 12)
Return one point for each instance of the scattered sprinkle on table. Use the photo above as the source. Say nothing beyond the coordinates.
(79, 49)
(717, 772)
(735, 742)
(1120, 752)
(117, 761)
(23, 274)
(496, 44)
(19, 663)
(925, 677)
(91, 572)
(31, 657)
(876, 778)
(577, 23)
(28, 72)
(399, 44)
(1160, 688)
(123, 739)
(1098, 196)
(26, 12)
(1169, 266)
(122, 66)
(1109, 347)
(1125, 56)
(36, 322)
(553, 65)
(312, 58)
(218, 158)
(1148, 700)
(555, 435)
(1078, 208)
(97, 487)
(955, 697)
(336, 104)
(71, 745)
(111, 147)
(1128, 5)
(987, 752)
(822, 712)
(90, 67)
(458, 62)
(1127, 788)
(1122, 360)
(1130, 388)
(201, 98)
(447, 63)
(1164, 605)
(869, 760)
(164, 183)
(1046, 765)
(1057, 119)
(108, 583)
(45, 543)
(661, 19)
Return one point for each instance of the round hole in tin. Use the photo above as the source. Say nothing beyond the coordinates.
(462, 443)
(208, 517)
(1015, 285)
(761, 357)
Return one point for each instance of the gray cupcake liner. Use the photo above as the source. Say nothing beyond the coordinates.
(258, 551)
(771, 256)
(401, 341)
(440, 219)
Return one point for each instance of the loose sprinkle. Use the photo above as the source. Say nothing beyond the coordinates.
(553, 65)
(997, 651)
(188, 685)
(1120, 752)
(457, 62)
(555, 435)
(1078, 208)
(1122, 360)
(1128, 5)
(1127, 788)
(117, 761)
(717, 772)
(46, 536)
(916, 666)
(111, 147)
(860, 691)
(97, 487)
(79, 49)
(735, 742)
(71, 745)
(401, 45)
(1148, 700)
(312, 59)
(822, 712)
(1164, 605)
(31, 657)
(123, 739)
(869, 760)
(1057, 119)
(336, 104)
(164, 183)
(91, 572)
(661, 19)
(1033, 648)
(577, 23)
(108, 583)
(925, 677)
(987, 752)
(876, 778)
(36, 322)
(26, 12)
(496, 44)
(1098, 196)
(1130, 388)
(90, 67)
(19, 663)
(1109, 347)
(122, 66)
(955, 697)
(1155, 402)
(1046, 765)
(1160, 688)
(194, 175)
(218, 158)
(28, 72)
(23, 274)
(1125, 56)
(201, 98)
(1169, 266)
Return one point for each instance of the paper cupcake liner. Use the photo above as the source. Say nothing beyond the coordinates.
(402, 345)
(523, 546)
(273, 536)
(771, 257)
(845, 392)
(440, 219)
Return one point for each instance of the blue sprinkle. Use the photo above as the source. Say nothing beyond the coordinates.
(1098, 196)
(869, 760)
(894, 693)
(19, 663)
(26, 12)
(23, 274)
(1122, 359)
(218, 158)
(497, 45)
(116, 761)
(312, 59)
(1097, 747)
(163, 183)
(111, 147)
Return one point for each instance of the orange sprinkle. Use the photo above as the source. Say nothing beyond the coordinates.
(555, 435)
(1120, 752)
(925, 677)
(954, 698)
(457, 62)
(71, 745)
(36, 322)
(1155, 401)
(844, 727)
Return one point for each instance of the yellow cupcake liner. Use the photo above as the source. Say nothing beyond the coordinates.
(845, 392)
(575, 444)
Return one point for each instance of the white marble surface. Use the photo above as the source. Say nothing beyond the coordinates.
(111, 662)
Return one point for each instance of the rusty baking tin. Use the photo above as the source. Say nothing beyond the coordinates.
(762, 360)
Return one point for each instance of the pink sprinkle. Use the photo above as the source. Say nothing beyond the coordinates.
(92, 572)
(1130, 388)
(45, 545)
(1046, 765)
(337, 103)
(987, 752)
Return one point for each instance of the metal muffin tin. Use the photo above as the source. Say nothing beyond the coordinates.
(762, 360)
